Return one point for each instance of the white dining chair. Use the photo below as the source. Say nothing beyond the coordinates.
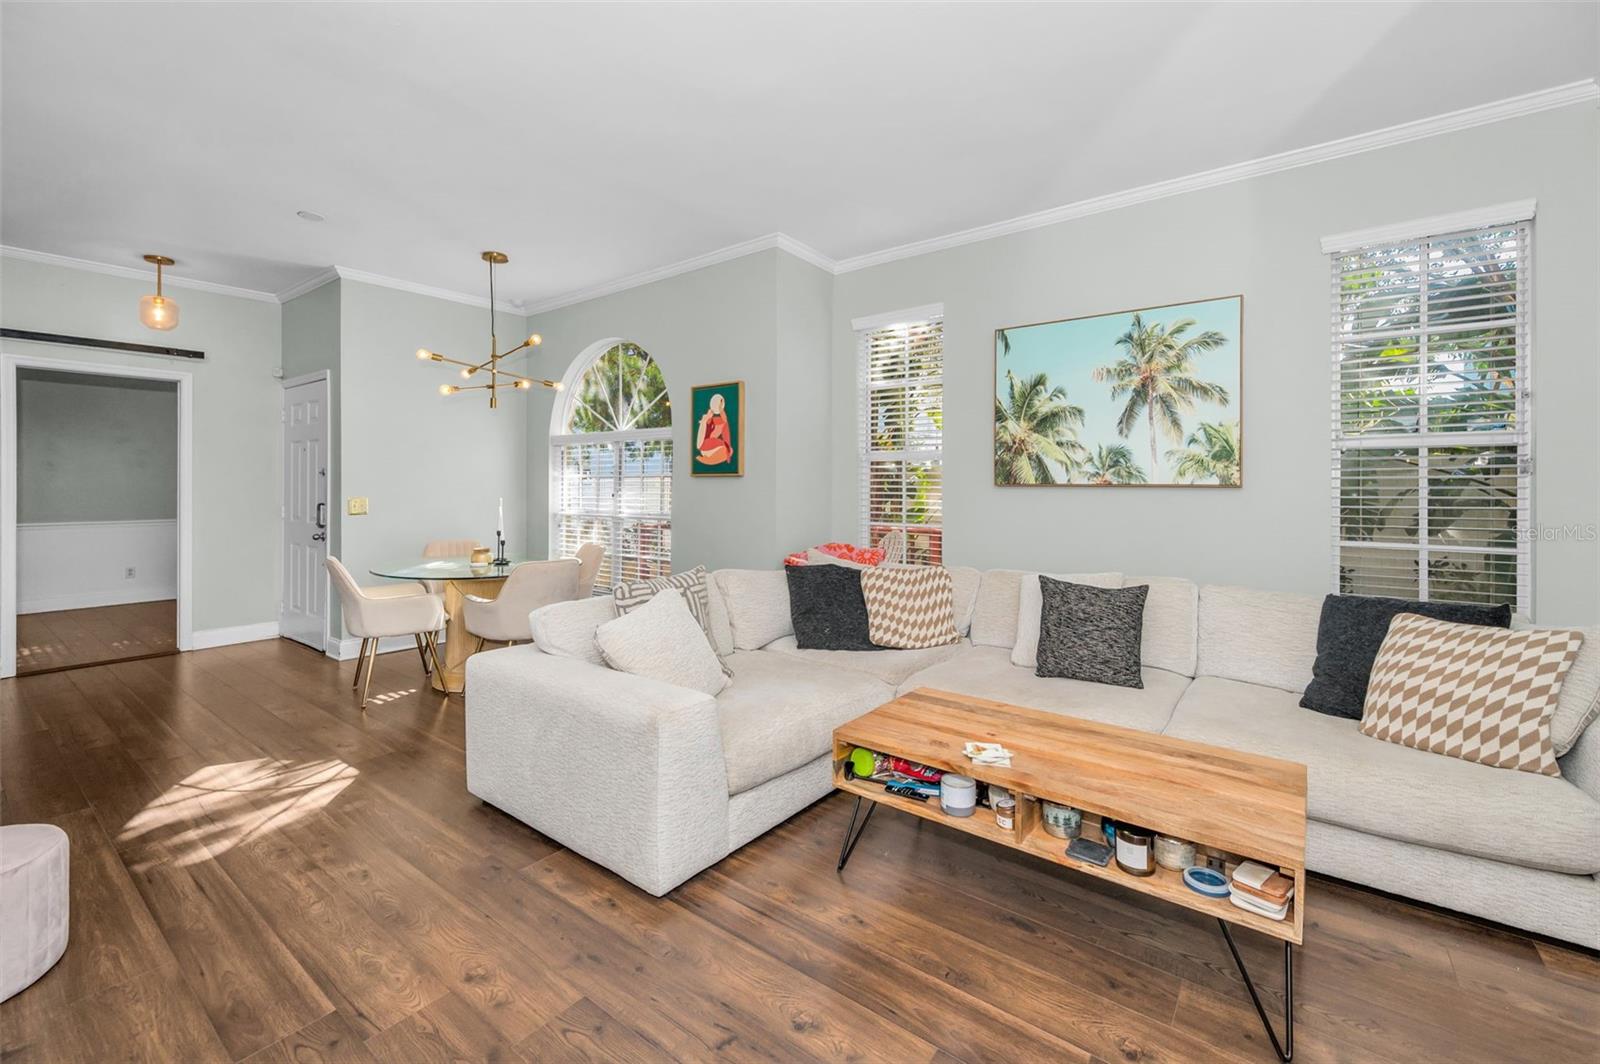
(532, 584)
(446, 548)
(590, 556)
(375, 613)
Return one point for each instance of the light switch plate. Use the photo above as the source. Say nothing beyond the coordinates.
(357, 506)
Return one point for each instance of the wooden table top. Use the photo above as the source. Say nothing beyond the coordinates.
(1240, 802)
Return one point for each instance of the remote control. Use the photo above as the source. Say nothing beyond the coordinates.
(905, 790)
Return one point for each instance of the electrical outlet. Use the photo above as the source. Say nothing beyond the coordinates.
(129, 573)
(357, 506)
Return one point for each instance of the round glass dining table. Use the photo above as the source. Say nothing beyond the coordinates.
(455, 578)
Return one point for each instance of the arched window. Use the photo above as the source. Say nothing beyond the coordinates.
(611, 463)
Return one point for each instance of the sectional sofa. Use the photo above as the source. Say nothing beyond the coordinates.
(657, 782)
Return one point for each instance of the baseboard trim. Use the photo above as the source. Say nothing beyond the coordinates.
(347, 649)
(88, 600)
(206, 638)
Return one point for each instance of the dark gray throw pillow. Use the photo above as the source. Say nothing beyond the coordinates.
(1091, 633)
(827, 608)
(1349, 633)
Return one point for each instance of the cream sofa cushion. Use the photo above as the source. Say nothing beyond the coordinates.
(994, 614)
(758, 605)
(1579, 703)
(1264, 637)
(890, 666)
(566, 629)
(964, 583)
(1358, 782)
(1025, 652)
(987, 672)
(1171, 623)
(781, 711)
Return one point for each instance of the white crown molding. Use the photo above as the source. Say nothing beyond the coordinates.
(1434, 225)
(310, 284)
(1466, 118)
(147, 274)
(347, 274)
(781, 241)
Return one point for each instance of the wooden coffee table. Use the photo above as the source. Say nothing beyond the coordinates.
(1241, 803)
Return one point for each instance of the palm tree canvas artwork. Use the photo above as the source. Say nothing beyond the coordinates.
(1140, 397)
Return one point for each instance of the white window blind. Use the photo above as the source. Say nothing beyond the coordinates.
(611, 467)
(1431, 429)
(617, 493)
(901, 377)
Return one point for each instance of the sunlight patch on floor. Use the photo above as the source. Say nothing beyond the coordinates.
(222, 806)
(391, 696)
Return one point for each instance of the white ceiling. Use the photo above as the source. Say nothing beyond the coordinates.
(592, 142)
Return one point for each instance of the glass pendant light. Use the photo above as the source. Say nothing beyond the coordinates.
(157, 311)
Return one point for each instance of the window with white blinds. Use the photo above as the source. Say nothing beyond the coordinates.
(611, 467)
(901, 376)
(1431, 430)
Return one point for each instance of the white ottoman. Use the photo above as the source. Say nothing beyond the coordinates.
(33, 903)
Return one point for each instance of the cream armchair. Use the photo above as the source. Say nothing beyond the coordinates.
(374, 613)
(532, 584)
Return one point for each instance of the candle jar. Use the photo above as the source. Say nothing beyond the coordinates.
(1173, 853)
(1133, 850)
(1062, 821)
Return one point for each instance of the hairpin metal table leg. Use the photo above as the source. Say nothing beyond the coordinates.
(1285, 1049)
(852, 834)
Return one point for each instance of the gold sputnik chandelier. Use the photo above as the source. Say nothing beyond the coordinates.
(491, 365)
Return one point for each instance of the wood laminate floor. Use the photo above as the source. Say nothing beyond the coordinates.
(262, 873)
(67, 639)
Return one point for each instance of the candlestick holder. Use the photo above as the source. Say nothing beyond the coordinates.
(500, 549)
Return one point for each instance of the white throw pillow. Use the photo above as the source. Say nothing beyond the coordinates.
(566, 629)
(663, 641)
(1025, 652)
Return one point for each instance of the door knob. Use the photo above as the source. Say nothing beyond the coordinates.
(317, 536)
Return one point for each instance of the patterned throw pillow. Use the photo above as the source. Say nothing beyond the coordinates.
(1463, 690)
(632, 595)
(696, 592)
(908, 609)
(1089, 633)
(861, 556)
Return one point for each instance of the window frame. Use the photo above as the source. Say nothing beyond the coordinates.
(1518, 439)
(865, 328)
(614, 517)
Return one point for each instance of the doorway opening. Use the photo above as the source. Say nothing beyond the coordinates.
(96, 527)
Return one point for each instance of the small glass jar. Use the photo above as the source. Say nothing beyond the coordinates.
(1005, 813)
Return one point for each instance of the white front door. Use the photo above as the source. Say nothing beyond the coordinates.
(303, 613)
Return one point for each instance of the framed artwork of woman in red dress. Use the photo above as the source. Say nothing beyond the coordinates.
(717, 430)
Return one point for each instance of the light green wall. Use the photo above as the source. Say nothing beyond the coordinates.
(1259, 237)
(431, 466)
(804, 320)
(93, 448)
(237, 466)
(311, 344)
(761, 319)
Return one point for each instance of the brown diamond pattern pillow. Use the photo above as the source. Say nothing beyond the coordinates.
(1468, 691)
(910, 608)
